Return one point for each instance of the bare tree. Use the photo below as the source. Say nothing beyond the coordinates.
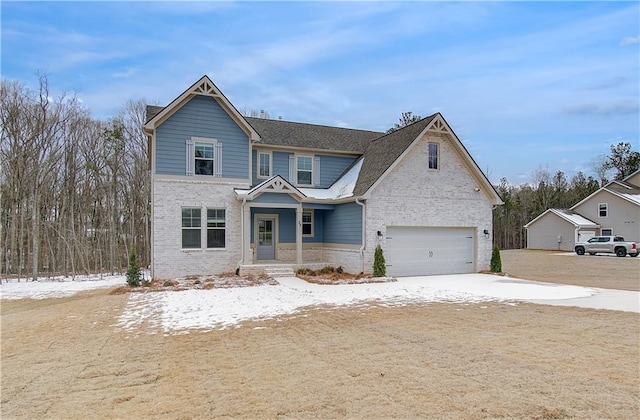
(407, 118)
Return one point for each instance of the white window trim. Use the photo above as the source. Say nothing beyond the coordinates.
(206, 227)
(182, 228)
(217, 157)
(270, 165)
(438, 159)
(312, 223)
(312, 170)
(606, 209)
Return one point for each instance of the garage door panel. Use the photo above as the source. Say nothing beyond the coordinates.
(412, 251)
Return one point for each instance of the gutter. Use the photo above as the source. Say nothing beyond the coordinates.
(244, 201)
(364, 230)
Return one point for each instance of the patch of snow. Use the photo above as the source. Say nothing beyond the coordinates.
(56, 287)
(342, 188)
(180, 312)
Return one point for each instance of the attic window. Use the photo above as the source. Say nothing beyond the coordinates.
(433, 153)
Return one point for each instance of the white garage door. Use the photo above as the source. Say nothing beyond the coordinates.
(585, 235)
(414, 251)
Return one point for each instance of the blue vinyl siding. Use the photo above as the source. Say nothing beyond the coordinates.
(279, 198)
(254, 173)
(331, 167)
(202, 116)
(280, 164)
(344, 224)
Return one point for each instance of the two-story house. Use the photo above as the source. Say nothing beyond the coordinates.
(614, 209)
(232, 193)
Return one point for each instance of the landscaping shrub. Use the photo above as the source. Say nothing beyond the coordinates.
(379, 265)
(496, 263)
(326, 270)
(133, 273)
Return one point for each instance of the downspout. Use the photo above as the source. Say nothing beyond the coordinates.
(244, 201)
(364, 231)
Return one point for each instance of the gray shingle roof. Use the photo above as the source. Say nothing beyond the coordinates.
(382, 152)
(152, 111)
(293, 134)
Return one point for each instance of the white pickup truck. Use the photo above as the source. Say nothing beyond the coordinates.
(607, 245)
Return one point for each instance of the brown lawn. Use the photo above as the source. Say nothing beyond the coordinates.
(63, 358)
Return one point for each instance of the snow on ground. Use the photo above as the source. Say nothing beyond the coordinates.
(56, 287)
(178, 312)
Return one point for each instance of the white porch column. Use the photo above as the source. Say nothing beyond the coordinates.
(247, 258)
(299, 234)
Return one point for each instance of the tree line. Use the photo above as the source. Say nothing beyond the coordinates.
(523, 203)
(74, 190)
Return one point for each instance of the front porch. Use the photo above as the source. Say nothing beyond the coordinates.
(276, 269)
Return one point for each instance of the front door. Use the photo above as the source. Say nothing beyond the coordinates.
(266, 239)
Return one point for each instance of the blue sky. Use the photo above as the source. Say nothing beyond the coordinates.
(524, 85)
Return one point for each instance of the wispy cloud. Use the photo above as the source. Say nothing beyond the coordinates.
(124, 74)
(623, 107)
(630, 40)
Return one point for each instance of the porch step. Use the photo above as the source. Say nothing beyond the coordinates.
(279, 272)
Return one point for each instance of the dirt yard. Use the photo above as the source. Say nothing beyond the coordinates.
(605, 271)
(63, 358)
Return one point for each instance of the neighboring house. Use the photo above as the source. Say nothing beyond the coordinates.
(233, 193)
(612, 210)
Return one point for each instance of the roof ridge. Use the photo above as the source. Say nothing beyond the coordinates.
(312, 124)
(405, 127)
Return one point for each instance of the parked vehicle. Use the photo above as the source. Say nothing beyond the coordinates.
(607, 245)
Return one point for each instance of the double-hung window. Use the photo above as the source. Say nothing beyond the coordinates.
(307, 222)
(216, 228)
(264, 165)
(191, 223)
(603, 210)
(304, 170)
(204, 157)
(433, 153)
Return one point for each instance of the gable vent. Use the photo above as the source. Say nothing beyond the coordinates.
(205, 88)
(439, 126)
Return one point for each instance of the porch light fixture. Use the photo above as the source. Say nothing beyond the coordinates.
(486, 233)
(379, 234)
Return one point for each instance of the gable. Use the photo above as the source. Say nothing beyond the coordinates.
(203, 87)
(201, 117)
(387, 152)
(410, 178)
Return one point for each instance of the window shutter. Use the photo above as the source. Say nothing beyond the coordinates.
(292, 169)
(189, 167)
(217, 170)
(316, 171)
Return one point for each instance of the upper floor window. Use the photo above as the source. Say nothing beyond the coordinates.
(304, 170)
(204, 157)
(264, 165)
(191, 227)
(433, 153)
(603, 210)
